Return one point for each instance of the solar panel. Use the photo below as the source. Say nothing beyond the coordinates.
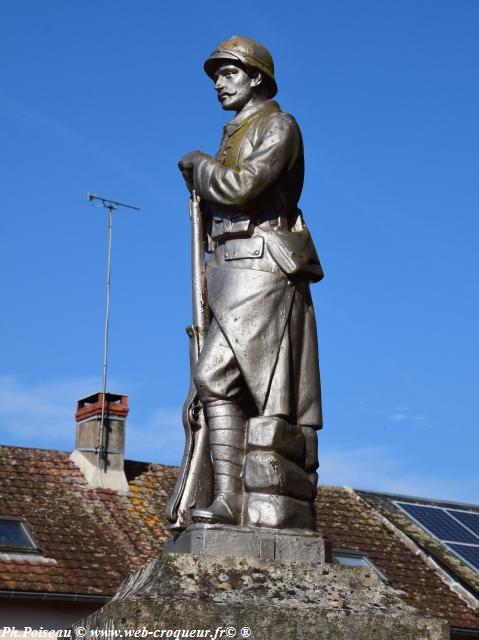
(468, 518)
(469, 553)
(439, 523)
(457, 529)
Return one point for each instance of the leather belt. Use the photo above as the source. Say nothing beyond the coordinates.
(229, 224)
(268, 222)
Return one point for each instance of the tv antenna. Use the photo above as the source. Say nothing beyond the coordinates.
(111, 205)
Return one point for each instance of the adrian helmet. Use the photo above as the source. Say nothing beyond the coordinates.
(249, 53)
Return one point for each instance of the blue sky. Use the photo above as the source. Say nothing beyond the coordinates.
(106, 96)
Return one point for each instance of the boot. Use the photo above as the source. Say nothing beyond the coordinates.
(226, 427)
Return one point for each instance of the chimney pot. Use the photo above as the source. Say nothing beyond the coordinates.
(115, 405)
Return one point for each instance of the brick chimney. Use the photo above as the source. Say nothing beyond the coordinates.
(101, 456)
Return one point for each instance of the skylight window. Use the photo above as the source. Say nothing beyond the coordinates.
(352, 559)
(15, 536)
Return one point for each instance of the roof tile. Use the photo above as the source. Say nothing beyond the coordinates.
(98, 537)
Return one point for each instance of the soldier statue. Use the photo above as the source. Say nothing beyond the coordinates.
(257, 376)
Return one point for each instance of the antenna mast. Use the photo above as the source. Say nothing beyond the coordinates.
(111, 205)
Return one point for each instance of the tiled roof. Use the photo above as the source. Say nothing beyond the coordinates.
(349, 522)
(95, 538)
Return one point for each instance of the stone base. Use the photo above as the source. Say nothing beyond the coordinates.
(251, 542)
(238, 597)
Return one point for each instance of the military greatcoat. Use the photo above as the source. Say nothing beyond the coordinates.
(261, 262)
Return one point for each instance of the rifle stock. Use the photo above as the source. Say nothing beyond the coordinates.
(194, 483)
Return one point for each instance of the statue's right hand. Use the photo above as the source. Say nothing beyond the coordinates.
(187, 176)
(186, 169)
(186, 165)
(187, 161)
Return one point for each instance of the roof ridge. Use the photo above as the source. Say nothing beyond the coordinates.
(65, 452)
(16, 447)
(401, 496)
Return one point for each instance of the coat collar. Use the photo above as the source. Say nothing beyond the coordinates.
(245, 115)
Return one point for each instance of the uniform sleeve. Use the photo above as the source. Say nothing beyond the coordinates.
(277, 148)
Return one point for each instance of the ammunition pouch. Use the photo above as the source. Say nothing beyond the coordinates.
(289, 244)
(241, 248)
(295, 253)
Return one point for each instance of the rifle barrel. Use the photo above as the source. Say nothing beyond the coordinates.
(198, 271)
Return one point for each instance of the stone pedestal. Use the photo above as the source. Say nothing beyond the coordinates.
(251, 542)
(262, 600)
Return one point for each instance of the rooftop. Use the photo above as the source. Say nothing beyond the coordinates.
(89, 539)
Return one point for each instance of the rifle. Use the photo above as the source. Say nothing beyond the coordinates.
(194, 483)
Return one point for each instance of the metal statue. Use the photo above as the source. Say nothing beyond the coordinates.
(255, 401)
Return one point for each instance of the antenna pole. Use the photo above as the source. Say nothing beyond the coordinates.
(106, 335)
(111, 205)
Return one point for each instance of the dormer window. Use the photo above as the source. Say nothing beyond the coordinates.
(354, 559)
(15, 536)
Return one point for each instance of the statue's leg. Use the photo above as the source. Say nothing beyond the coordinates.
(226, 424)
(221, 389)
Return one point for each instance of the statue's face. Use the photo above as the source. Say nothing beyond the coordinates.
(234, 86)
